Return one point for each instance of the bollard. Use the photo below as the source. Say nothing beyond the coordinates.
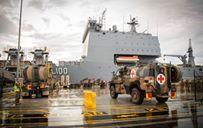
(89, 100)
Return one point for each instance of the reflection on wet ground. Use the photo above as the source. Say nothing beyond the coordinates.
(190, 90)
(65, 108)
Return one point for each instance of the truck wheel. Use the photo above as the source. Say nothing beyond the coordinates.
(113, 93)
(161, 99)
(136, 95)
(24, 97)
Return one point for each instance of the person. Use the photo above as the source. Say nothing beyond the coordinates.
(182, 86)
(125, 70)
(17, 89)
(57, 86)
(187, 86)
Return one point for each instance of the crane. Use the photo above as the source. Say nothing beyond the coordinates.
(181, 57)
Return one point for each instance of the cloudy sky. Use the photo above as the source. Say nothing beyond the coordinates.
(59, 24)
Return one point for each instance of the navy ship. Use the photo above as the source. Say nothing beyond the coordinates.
(102, 47)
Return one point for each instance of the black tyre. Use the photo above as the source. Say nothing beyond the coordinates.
(137, 96)
(113, 93)
(24, 97)
(161, 99)
(30, 94)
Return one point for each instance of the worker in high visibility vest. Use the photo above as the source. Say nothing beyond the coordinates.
(17, 89)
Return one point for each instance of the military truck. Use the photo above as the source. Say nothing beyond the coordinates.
(37, 75)
(36, 79)
(145, 81)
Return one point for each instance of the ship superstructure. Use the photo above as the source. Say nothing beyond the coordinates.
(101, 47)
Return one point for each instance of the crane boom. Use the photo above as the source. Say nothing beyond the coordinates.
(173, 55)
(181, 57)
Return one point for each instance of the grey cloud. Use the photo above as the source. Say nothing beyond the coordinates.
(37, 4)
(56, 38)
(56, 41)
(5, 3)
(59, 2)
(46, 20)
(46, 36)
(7, 41)
(197, 43)
(8, 38)
(82, 23)
(7, 26)
(8, 7)
(64, 17)
(28, 27)
(45, 4)
(88, 2)
(178, 9)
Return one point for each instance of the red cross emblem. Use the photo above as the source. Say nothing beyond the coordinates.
(132, 73)
(160, 78)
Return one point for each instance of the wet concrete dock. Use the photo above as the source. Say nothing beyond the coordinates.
(64, 108)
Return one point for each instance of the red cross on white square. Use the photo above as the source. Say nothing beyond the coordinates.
(160, 78)
(132, 73)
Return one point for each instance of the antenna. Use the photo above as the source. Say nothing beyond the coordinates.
(130, 19)
(45, 48)
(190, 45)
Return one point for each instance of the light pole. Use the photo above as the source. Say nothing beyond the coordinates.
(19, 34)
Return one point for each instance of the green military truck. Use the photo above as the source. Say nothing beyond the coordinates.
(147, 81)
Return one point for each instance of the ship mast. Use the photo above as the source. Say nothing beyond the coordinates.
(133, 23)
(191, 60)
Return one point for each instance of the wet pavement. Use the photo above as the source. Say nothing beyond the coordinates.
(64, 108)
